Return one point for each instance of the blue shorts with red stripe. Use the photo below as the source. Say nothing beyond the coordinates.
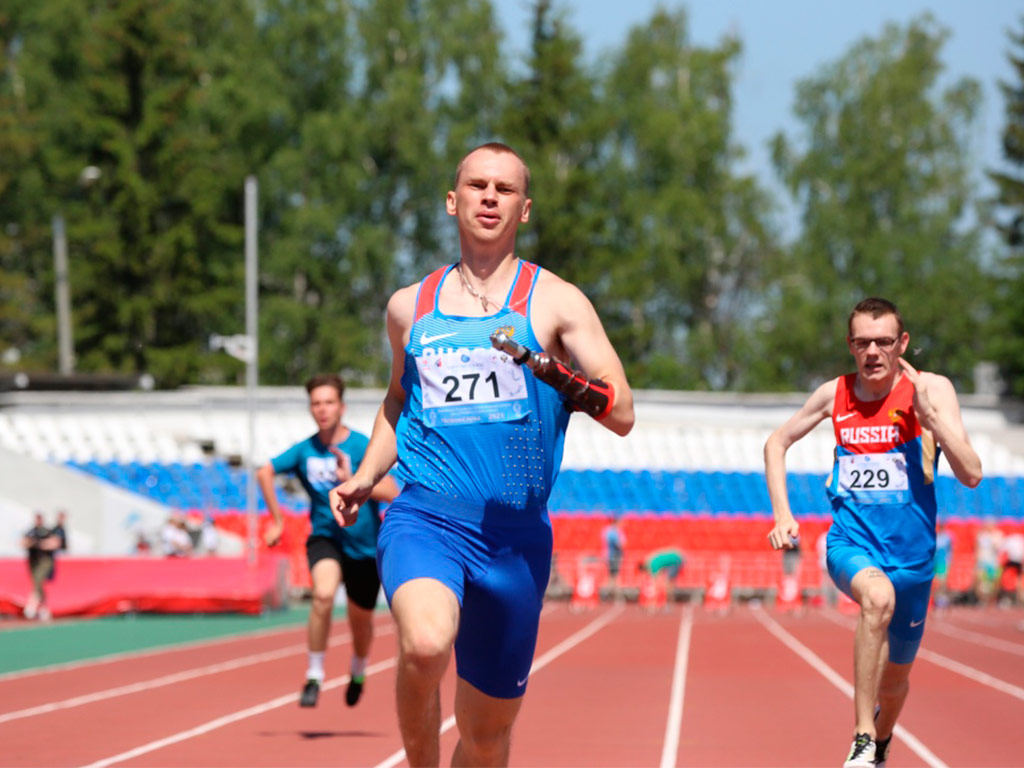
(498, 572)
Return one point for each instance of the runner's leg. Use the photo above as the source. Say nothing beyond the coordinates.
(427, 614)
(485, 726)
(877, 598)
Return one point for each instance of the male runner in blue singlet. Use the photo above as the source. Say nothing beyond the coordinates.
(890, 423)
(465, 550)
(320, 462)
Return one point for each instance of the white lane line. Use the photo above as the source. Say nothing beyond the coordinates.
(977, 637)
(971, 673)
(153, 650)
(952, 665)
(234, 717)
(177, 677)
(675, 707)
(572, 641)
(569, 643)
(839, 682)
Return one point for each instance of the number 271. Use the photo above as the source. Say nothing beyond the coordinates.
(472, 378)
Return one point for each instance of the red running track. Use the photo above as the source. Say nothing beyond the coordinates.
(615, 686)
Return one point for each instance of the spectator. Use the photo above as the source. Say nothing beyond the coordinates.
(986, 558)
(664, 564)
(614, 545)
(1011, 554)
(40, 544)
(557, 586)
(791, 559)
(60, 531)
(943, 561)
(208, 537)
(142, 545)
(174, 537)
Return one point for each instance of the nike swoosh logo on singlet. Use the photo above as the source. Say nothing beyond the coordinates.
(917, 623)
(424, 339)
(844, 417)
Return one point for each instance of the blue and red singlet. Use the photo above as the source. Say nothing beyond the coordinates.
(476, 427)
(479, 446)
(882, 486)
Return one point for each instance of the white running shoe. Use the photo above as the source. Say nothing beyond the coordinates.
(862, 752)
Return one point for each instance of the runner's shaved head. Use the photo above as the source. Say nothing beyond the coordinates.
(497, 146)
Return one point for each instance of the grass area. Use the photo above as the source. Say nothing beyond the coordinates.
(38, 645)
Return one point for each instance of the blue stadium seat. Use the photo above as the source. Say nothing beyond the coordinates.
(216, 485)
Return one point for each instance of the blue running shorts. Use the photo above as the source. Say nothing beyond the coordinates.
(906, 628)
(498, 573)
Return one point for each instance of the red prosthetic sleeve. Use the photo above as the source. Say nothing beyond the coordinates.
(592, 396)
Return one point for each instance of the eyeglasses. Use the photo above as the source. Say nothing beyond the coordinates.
(884, 342)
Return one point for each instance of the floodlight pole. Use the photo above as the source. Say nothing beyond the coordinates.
(251, 284)
(65, 349)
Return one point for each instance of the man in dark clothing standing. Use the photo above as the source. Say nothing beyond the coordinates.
(40, 543)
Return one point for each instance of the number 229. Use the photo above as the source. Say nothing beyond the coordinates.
(869, 478)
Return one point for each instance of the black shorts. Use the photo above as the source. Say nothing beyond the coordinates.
(362, 584)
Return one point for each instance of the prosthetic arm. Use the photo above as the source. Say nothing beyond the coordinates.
(592, 396)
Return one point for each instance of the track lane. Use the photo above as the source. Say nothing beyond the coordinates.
(604, 702)
(332, 734)
(42, 688)
(959, 720)
(278, 732)
(752, 702)
(743, 691)
(95, 730)
(921, 751)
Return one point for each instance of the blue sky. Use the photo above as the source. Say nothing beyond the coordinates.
(787, 40)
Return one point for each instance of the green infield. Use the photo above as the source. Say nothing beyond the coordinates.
(27, 646)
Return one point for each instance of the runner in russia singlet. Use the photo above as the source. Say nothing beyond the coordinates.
(476, 426)
(882, 487)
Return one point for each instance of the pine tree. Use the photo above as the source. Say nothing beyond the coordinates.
(1008, 341)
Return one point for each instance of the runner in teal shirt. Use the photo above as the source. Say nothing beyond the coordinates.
(321, 462)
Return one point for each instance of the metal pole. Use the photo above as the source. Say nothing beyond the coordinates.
(251, 284)
(65, 352)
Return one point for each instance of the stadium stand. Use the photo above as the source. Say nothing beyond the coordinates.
(689, 475)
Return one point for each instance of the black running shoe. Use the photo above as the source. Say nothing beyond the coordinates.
(881, 745)
(862, 752)
(354, 690)
(882, 751)
(310, 693)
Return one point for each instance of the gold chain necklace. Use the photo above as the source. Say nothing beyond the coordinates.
(484, 300)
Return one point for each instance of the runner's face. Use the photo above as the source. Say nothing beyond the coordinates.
(869, 343)
(326, 407)
(489, 199)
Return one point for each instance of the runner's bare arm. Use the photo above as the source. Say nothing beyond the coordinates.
(938, 410)
(817, 408)
(265, 480)
(385, 490)
(577, 336)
